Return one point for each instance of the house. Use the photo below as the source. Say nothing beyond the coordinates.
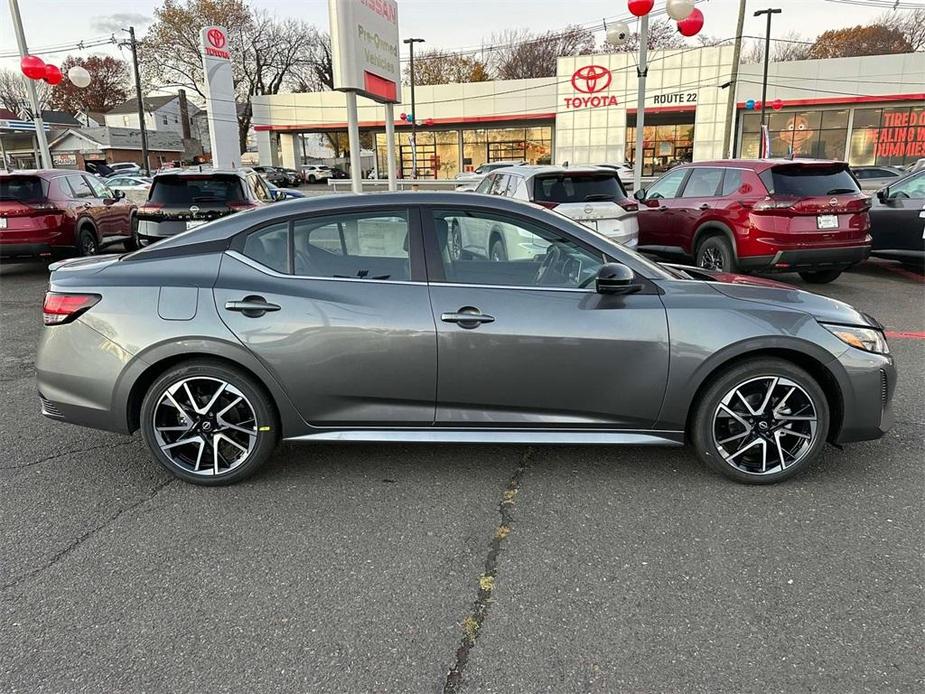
(162, 113)
(74, 147)
(91, 119)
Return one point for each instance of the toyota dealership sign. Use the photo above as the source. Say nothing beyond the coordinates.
(219, 92)
(589, 81)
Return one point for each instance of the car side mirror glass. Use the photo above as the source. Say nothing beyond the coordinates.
(640, 194)
(883, 194)
(616, 278)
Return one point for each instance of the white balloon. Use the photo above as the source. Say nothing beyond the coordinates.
(679, 9)
(618, 33)
(78, 76)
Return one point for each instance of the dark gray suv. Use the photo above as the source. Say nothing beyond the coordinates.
(350, 318)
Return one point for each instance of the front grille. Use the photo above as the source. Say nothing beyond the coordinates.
(49, 409)
(884, 388)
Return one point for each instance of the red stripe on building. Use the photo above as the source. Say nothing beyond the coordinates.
(846, 100)
(468, 120)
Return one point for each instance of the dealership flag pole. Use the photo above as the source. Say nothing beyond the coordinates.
(46, 162)
(733, 83)
(641, 71)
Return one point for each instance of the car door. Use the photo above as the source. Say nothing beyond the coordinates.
(336, 306)
(658, 213)
(697, 203)
(86, 203)
(897, 217)
(115, 213)
(528, 342)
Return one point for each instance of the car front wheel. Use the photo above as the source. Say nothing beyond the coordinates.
(761, 421)
(209, 423)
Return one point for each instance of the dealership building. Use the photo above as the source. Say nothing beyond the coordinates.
(866, 110)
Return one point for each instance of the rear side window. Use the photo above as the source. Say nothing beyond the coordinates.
(567, 188)
(188, 190)
(22, 188)
(703, 183)
(485, 185)
(270, 247)
(806, 181)
(732, 181)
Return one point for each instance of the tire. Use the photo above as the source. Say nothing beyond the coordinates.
(312, 179)
(497, 251)
(133, 243)
(454, 241)
(87, 243)
(820, 276)
(715, 253)
(242, 402)
(719, 439)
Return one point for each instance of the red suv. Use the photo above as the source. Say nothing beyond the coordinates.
(56, 211)
(805, 216)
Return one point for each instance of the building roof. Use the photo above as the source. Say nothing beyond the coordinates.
(125, 138)
(59, 118)
(152, 104)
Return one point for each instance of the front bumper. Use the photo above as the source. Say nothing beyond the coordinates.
(807, 259)
(867, 383)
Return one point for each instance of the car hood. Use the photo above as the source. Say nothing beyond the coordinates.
(767, 291)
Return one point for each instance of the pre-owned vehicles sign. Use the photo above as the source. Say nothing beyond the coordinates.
(364, 47)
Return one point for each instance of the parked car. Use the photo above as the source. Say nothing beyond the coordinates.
(125, 167)
(288, 193)
(591, 195)
(875, 177)
(127, 182)
(471, 179)
(293, 177)
(339, 173)
(346, 318)
(315, 173)
(49, 212)
(805, 216)
(186, 199)
(897, 221)
(272, 174)
(917, 165)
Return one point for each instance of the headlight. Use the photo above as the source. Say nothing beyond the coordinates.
(868, 339)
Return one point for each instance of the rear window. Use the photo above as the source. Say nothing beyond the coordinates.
(805, 181)
(22, 188)
(187, 190)
(565, 188)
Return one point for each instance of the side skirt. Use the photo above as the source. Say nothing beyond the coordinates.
(520, 436)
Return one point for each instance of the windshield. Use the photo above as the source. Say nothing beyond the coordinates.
(808, 181)
(564, 188)
(187, 190)
(22, 189)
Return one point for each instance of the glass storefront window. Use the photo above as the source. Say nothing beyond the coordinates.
(835, 119)
(664, 146)
(867, 117)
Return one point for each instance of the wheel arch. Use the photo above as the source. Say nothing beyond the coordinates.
(712, 228)
(814, 364)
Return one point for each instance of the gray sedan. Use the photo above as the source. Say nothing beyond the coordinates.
(347, 318)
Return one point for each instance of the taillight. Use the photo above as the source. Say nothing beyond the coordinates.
(240, 205)
(63, 308)
(771, 204)
(548, 205)
(629, 206)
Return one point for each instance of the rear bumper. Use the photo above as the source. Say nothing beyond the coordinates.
(807, 259)
(25, 251)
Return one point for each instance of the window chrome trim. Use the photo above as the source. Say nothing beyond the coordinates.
(464, 285)
(282, 275)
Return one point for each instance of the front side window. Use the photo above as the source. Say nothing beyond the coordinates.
(668, 186)
(79, 187)
(913, 187)
(357, 246)
(270, 247)
(703, 183)
(488, 249)
(99, 190)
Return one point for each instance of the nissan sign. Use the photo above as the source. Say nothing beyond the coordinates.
(364, 48)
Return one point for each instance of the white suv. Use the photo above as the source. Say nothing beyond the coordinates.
(591, 195)
(313, 173)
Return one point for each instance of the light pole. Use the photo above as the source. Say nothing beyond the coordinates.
(414, 143)
(728, 147)
(46, 162)
(140, 98)
(764, 83)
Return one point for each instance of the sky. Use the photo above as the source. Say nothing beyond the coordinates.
(444, 24)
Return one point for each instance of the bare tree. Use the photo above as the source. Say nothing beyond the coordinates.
(443, 67)
(518, 54)
(14, 96)
(910, 23)
(792, 46)
(663, 34)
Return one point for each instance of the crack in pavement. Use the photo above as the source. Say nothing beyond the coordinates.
(472, 624)
(77, 542)
(65, 453)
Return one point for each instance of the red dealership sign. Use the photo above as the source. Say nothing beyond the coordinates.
(901, 134)
(591, 79)
(216, 44)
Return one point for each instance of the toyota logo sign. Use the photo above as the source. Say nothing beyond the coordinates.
(216, 38)
(591, 78)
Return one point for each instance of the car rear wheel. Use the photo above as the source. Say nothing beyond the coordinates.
(87, 243)
(820, 276)
(208, 423)
(715, 253)
(312, 179)
(761, 422)
(497, 252)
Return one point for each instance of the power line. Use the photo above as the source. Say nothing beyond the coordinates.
(64, 48)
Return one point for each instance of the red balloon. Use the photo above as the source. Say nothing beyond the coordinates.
(759, 106)
(53, 74)
(429, 121)
(692, 25)
(640, 8)
(32, 67)
(404, 116)
(777, 104)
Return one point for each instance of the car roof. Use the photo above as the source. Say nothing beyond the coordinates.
(758, 164)
(202, 172)
(534, 169)
(42, 173)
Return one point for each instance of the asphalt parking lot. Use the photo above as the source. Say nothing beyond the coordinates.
(463, 569)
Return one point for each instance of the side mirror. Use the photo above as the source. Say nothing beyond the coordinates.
(616, 278)
(640, 194)
(279, 195)
(883, 194)
(118, 194)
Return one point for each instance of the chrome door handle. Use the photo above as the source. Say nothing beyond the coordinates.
(662, 208)
(251, 306)
(467, 317)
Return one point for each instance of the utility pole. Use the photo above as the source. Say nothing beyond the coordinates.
(642, 71)
(141, 105)
(46, 162)
(764, 84)
(728, 144)
(414, 142)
